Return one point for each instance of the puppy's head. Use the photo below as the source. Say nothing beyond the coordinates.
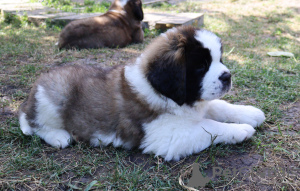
(185, 65)
(133, 8)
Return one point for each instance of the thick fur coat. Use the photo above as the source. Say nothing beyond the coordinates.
(166, 103)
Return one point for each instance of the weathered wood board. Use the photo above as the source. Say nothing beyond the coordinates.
(164, 21)
(4, 2)
(7, 8)
(153, 1)
(69, 18)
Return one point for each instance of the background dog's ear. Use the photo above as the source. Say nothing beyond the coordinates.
(136, 7)
(167, 74)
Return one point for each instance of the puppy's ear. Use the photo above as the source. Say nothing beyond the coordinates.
(167, 73)
(136, 7)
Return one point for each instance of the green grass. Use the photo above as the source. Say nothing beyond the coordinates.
(249, 29)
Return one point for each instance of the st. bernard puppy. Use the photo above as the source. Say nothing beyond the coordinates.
(165, 103)
(118, 27)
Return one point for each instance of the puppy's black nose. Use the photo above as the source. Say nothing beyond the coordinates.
(225, 78)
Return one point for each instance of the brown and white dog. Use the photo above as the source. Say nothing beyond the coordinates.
(166, 103)
(118, 27)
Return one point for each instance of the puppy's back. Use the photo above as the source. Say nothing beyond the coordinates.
(64, 89)
(86, 33)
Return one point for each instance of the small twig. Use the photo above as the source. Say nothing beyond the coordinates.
(230, 51)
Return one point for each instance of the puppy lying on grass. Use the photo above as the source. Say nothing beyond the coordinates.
(167, 103)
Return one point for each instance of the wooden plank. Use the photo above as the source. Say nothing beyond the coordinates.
(66, 19)
(194, 19)
(40, 15)
(150, 19)
(51, 15)
(38, 19)
(165, 21)
(20, 7)
(153, 1)
(44, 11)
(5, 2)
(78, 16)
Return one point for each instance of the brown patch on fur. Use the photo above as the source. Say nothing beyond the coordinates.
(135, 112)
(170, 46)
(93, 99)
(28, 107)
(113, 29)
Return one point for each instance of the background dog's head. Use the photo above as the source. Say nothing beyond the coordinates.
(185, 65)
(132, 8)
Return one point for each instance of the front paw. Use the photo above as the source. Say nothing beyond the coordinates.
(239, 133)
(250, 115)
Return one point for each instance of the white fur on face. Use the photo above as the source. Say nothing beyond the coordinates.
(211, 41)
(212, 87)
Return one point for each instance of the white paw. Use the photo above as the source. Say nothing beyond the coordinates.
(58, 138)
(27, 130)
(250, 115)
(240, 133)
(24, 126)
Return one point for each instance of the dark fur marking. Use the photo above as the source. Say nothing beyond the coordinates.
(168, 79)
(180, 79)
(136, 7)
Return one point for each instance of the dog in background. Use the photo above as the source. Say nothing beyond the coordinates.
(118, 27)
(166, 103)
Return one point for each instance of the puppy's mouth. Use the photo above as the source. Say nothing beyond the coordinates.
(225, 80)
(221, 90)
(226, 88)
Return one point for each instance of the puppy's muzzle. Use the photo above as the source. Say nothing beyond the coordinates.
(225, 78)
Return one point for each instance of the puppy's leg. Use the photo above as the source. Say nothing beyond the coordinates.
(48, 120)
(58, 138)
(24, 125)
(222, 111)
(55, 137)
(173, 137)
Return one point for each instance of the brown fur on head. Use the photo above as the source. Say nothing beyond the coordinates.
(118, 27)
